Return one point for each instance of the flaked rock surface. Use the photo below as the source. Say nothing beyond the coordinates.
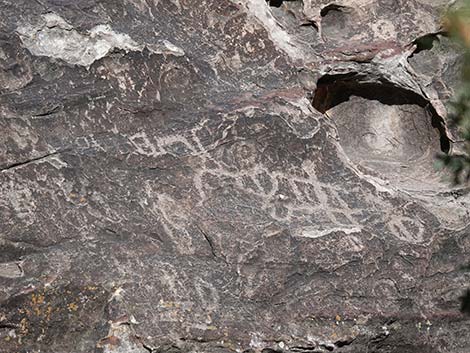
(229, 176)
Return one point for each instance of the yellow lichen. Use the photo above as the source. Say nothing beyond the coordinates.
(73, 307)
(48, 313)
(24, 326)
(37, 299)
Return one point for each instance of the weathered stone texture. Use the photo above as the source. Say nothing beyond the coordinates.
(228, 176)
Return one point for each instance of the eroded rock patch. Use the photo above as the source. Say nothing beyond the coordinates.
(384, 129)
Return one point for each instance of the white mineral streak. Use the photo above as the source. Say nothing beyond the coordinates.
(281, 39)
(11, 270)
(311, 232)
(165, 47)
(56, 38)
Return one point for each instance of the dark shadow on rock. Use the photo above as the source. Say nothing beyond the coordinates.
(333, 90)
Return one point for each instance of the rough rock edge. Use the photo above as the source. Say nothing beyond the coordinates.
(56, 38)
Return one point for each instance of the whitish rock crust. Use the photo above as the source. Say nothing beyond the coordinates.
(228, 176)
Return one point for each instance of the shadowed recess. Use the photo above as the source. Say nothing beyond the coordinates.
(278, 3)
(333, 90)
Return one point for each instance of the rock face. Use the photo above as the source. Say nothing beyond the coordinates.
(228, 176)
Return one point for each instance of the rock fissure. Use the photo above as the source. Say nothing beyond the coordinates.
(15, 165)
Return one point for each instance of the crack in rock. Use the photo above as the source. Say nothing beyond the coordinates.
(29, 161)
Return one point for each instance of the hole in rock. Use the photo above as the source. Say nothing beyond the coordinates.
(327, 9)
(384, 128)
(275, 3)
(278, 3)
(343, 343)
(427, 42)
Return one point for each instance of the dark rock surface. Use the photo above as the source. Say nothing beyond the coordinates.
(228, 176)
